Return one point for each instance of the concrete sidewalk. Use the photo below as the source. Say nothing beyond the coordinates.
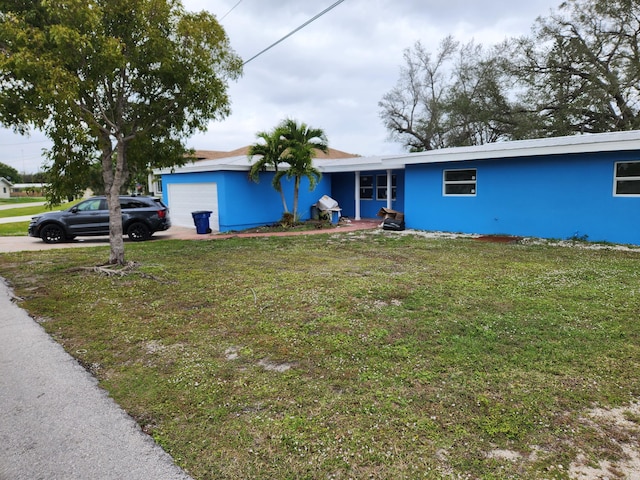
(11, 206)
(56, 423)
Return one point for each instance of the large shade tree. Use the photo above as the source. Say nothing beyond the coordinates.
(578, 72)
(581, 67)
(121, 83)
(456, 97)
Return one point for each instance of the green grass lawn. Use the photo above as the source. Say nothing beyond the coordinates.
(355, 355)
(14, 200)
(22, 211)
(14, 229)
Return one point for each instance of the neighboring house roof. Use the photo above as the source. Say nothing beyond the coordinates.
(244, 151)
(5, 181)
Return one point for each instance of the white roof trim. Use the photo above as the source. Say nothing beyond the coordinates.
(240, 163)
(589, 143)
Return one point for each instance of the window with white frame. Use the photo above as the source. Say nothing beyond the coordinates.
(381, 187)
(366, 187)
(627, 178)
(459, 182)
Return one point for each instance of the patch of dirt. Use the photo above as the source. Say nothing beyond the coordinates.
(622, 427)
(504, 455)
(275, 367)
(499, 238)
(232, 353)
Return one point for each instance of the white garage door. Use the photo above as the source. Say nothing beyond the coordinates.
(185, 198)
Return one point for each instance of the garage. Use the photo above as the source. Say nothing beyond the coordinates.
(184, 198)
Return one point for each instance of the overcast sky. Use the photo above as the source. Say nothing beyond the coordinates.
(332, 73)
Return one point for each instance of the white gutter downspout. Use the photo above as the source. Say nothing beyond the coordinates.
(357, 195)
(389, 195)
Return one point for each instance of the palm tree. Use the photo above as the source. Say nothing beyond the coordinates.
(301, 142)
(270, 151)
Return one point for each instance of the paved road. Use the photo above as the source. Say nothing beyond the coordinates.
(55, 422)
(23, 218)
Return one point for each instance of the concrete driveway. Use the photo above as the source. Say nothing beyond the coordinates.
(18, 244)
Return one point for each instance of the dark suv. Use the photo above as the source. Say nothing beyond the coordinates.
(141, 217)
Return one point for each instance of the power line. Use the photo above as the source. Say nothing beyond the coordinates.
(232, 9)
(296, 30)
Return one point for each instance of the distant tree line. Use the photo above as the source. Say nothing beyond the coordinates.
(10, 173)
(578, 72)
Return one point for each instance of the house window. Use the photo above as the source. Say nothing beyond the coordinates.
(366, 187)
(460, 182)
(627, 178)
(381, 187)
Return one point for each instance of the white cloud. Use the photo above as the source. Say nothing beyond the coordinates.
(332, 73)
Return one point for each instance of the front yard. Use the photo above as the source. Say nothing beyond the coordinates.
(363, 355)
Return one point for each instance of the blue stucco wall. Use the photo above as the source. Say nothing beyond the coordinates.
(343, 188)
(245, 204)
(549, 197)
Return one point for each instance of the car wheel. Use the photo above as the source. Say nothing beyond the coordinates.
(52, 234)
(138, 232)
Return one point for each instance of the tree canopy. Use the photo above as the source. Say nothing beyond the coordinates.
(270, 150)
(581, 68)
(302, 142)
(114, 82)
(294, 145)
(578, 72)
(10, 173)
(459, 96)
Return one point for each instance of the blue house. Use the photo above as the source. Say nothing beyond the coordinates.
(585, 186)
(219, 182)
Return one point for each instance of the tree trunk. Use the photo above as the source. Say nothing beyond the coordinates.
(296, 188)
(113, 180)
(284, 201)
(279, 188)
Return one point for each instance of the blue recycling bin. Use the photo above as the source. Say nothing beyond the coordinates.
(201, 221)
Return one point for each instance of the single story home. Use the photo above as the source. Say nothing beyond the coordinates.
(582, 186)
(5, 188)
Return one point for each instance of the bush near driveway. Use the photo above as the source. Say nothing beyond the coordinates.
(355, 355)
